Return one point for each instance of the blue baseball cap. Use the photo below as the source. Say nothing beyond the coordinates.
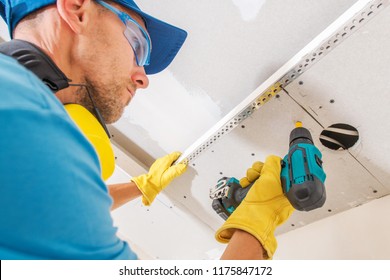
(166, 39)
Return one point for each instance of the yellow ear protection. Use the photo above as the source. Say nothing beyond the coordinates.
(96, 134)
(34, 59)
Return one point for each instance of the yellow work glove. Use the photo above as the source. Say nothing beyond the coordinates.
(264, 207)
(161, 173)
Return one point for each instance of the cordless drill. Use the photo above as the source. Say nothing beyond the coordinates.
(302, 178)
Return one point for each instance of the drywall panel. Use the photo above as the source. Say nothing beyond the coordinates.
(232, 47)
(351, 85)
(266, 132)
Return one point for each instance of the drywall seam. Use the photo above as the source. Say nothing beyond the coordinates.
(317, 120)
(358, 161)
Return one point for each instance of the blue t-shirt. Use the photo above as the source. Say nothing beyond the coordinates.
(53, 202)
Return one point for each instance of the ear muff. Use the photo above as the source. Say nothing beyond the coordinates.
(95, 133)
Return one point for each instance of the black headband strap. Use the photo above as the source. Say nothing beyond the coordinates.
(34, 59)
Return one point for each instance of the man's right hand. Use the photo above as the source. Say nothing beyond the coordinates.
(264, 207)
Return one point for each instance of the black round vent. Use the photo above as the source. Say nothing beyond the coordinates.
(339, 136)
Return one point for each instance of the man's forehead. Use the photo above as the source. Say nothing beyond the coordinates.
(131, 13)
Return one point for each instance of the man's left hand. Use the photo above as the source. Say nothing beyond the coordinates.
(160, 175)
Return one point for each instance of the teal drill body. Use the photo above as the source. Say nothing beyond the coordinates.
(302, 174)
(302, 178)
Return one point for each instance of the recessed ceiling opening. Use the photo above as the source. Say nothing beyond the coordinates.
(339, 136)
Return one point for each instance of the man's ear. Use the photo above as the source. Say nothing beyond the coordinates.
(76, 13)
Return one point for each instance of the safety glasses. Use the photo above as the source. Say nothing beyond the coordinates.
(138, 38)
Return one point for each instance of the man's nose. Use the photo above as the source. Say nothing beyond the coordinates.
(139, 78)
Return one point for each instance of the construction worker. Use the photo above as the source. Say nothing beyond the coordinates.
(54, 202)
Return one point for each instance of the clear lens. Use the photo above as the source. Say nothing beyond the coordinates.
(139, 41)
(135, 34)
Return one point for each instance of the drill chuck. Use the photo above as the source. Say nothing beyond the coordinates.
(300, 135)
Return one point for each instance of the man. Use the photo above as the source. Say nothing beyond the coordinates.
(97, 54)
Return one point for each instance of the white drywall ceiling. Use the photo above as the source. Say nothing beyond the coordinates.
(227, 55)
(355, 75)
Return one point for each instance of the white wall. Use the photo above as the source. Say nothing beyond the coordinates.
(359, 233)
